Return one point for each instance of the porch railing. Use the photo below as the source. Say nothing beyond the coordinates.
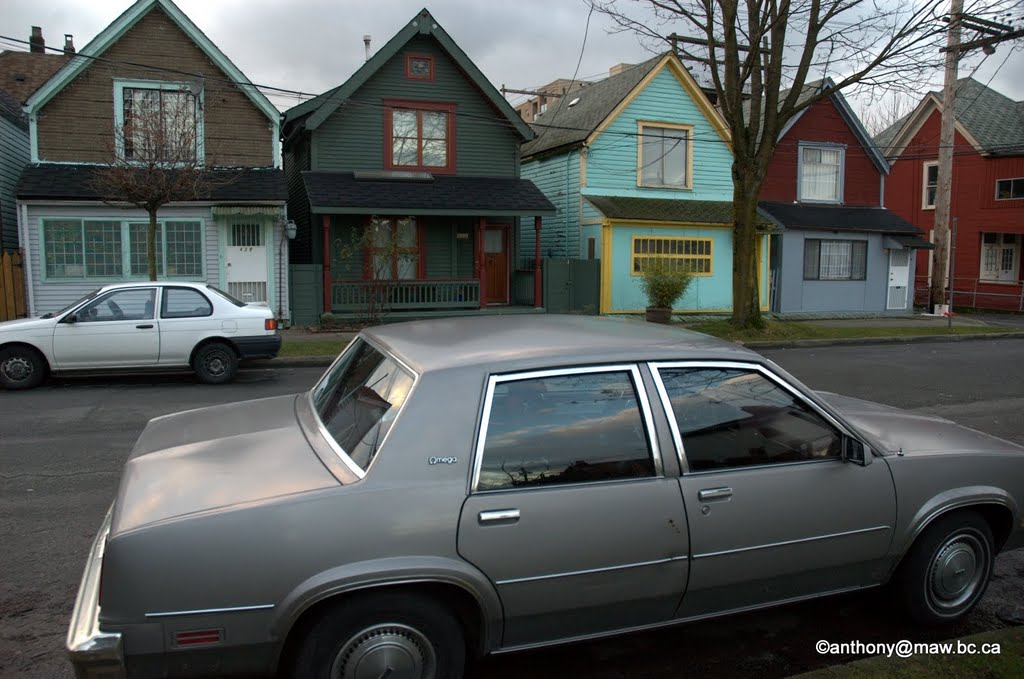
(404, 295)
(977, 293)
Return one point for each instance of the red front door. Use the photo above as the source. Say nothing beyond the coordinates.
(496, 256)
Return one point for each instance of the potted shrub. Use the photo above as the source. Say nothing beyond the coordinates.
(663, 283)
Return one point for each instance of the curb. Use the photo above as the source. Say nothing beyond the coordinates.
(324, 361)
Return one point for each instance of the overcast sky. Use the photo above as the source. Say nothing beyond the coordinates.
(313, 45)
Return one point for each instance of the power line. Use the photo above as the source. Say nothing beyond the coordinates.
(583, 47)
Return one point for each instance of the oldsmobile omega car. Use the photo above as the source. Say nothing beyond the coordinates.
(459, 487)
(139, 326)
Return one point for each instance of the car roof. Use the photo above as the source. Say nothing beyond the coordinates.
(150, 284)
(514, 342)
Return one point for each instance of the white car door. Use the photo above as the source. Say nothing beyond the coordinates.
(186, 317)
(118, 329)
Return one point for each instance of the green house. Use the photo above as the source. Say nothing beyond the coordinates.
(404, 185)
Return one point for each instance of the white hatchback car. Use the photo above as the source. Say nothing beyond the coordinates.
(139, 326)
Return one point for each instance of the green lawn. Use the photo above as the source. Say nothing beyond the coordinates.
(312, 347)
(798, 330)
(1008, 662)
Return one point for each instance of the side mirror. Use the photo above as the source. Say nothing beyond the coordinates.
(856, 452)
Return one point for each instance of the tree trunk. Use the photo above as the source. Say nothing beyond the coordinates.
(151, 245)
(746, 307)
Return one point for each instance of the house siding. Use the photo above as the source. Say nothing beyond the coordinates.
(14, 155)
(296, 161)
(611, 159)
(822, 123)
(974, 205)
(352, 139)
(77, 124)
(558, 177)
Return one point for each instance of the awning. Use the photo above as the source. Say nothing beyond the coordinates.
(668, 210)
(420, 193)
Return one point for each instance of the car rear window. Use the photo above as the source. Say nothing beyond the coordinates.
(359, 398)
(225, 295)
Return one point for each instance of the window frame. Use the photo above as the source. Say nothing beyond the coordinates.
(163, 302)
(677, 440)
(640, 125)
(852, 242)
(120, 85)
(418, 107)
(105, 294)
(370, 250)
(840, 180)
(126, 252)
(925, 166)
(983, 249)
(643, 400)
(1012, 180)
(409, 75)
(710, 257)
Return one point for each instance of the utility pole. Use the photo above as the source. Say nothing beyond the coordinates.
(943, 195)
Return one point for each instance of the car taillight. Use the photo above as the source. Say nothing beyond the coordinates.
(270, 324)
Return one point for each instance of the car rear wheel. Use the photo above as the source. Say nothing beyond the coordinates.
(215, 363)
(21, 368)
(394, 635)
(947, 570)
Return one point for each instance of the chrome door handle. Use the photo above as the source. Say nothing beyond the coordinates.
(499, 515)
(714, 494)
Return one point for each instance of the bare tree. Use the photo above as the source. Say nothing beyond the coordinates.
(761, 56)
(879, 116)
(377, 247)
(158, 157)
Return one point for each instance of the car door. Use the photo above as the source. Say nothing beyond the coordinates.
(186, 317)
(117, 329)
(776, 512)
(570, 514)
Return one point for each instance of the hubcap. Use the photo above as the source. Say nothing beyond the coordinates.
(957, 571)
(16, 369)
(387, 651)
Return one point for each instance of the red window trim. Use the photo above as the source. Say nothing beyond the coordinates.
(408, 66)
(421, 248)
(389, 107)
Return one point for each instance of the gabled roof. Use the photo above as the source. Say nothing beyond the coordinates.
(11, 109)
(121, 25)
(992, 122)
(22, 73)
(852, 120)
(320, 108)
(600, 103)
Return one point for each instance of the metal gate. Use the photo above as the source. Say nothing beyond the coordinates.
(572, 286)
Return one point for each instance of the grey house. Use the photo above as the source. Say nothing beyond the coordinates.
(405, 179)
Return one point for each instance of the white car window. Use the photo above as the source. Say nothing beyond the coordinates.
(185, 303)
(133, 304)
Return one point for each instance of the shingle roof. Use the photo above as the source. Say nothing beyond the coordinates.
(665, 209)
(11, 109)
(74, 182)
(838, 218)
(344, 193)
(573, 124)
(22, 73)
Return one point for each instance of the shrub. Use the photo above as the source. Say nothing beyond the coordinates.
(664, 283)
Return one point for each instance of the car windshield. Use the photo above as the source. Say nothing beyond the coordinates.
(225, 296)
(73, 304)
(359, 398)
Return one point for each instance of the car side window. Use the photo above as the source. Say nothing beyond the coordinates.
(733, 417)
(132, 304)
(565, 428)
(184, 303)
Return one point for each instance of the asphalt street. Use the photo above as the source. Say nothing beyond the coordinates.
(62, 447)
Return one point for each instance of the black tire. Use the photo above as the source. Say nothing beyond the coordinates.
(215, 363)
(413, 635)
(947, 569)
(21, 368)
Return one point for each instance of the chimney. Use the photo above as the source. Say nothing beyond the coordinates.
(36, 43)
(366, 46)
(619, 68)
(69, 43)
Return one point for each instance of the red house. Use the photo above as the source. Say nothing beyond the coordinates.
(987, 196)
(839, 248)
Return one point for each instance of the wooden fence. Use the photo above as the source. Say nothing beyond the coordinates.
(12, 286)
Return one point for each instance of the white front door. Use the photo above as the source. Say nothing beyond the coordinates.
(246, 256)
(115, 330)
(899, 278)
(1000, 256)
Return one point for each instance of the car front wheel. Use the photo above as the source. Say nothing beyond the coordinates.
(215, 363)
(21, 368)
(948, 568)
(394, 635)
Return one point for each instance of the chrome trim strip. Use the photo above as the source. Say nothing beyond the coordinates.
(322, 430)
(205, 611)
(656, 366)
(638, 388)
(675, 621)
(590, 571)
(498, 515)
(88, 645)
(785, 543)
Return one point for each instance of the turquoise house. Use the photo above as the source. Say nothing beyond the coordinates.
(638, 167)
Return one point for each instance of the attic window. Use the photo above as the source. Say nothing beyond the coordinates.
(419, 67)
